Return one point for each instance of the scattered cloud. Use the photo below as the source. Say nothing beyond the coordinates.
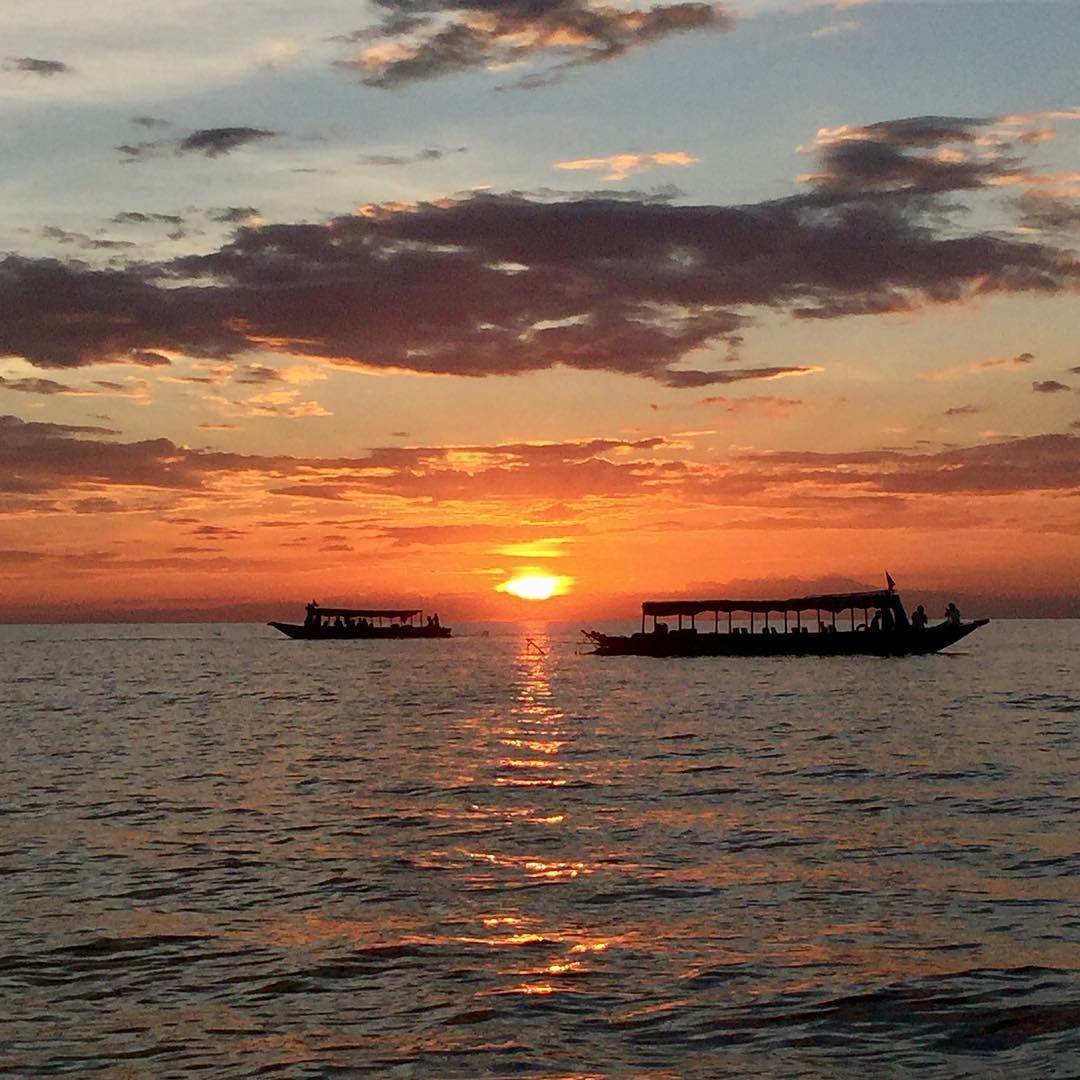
(963, 410)
(428, 153)
(82, 240)
(426, 39)
(639, 287)
(38, 386)
(49, 461)
(760, 403)
(209, 142)
(235, 215)
(849, 26)
(1006, 363)
(213, 142)
(30, 65)
(1046, 213)
(137, 217)
(135, 388)
(1049, 386)
(620, 166)
(926, 155)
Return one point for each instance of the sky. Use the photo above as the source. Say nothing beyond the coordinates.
(398, 302)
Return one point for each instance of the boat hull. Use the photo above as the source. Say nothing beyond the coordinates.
(369, 633)
(907, 642)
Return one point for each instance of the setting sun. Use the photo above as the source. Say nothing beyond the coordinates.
(535, 586)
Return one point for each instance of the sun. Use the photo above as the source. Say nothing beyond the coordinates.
(535, 586)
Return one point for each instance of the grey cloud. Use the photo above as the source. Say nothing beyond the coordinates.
(903, 155)
(210, 142)
(82, 240)
(213, 142)
(1048, 214)
(136, 217)
(1049, 386)
(234, 215)
(258, 375)
(32, 66)
(36, 386)
(429, 153)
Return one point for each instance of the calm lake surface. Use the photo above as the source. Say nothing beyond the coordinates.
(228, 853)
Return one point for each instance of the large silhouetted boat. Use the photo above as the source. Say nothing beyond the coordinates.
(334, 624)
(870, 623)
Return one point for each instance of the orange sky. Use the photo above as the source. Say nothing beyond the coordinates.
(656, 299)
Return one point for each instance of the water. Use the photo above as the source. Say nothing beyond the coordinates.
(227, 853)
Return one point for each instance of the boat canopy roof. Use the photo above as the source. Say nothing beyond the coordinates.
(832, 602)
(365, 613)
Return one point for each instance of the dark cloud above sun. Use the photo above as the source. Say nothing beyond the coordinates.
(638, 287)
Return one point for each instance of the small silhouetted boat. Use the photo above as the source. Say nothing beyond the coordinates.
(334, 624)
(799, 626)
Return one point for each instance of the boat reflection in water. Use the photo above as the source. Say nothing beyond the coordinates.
(329, 623)
(800, 626)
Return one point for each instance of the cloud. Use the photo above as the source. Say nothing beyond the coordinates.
(428, 153)
(761, 403)
(143, 358)
(1013, 466)
(528, 483)
(994, 363)
(38, 386)
(213, 142)
(963, 410)
(847, 27)
(620, 166)
(1049, 386)
(234, 215)
(638, 287)
(425, 39)
(32, 66)
(1046, 213)
(210, 142)
(150, 122)
(136, 388)
(136, 217)
(82, 240)
(927, 155)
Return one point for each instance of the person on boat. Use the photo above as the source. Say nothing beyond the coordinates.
(435, 620)
(875, 622)
(952, 614)
(918, 618)
(312, 616)
(888, 622)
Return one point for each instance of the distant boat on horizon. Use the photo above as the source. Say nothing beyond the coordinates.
(783, 631)
(337, 624)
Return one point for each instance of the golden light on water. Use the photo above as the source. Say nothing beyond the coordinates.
(530, 586)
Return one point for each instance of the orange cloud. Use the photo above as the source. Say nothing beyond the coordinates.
(620, 166)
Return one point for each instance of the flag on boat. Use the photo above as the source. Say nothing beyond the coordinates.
(889, 581)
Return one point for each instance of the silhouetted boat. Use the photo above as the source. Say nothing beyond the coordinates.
(333, 624)
(782, 629)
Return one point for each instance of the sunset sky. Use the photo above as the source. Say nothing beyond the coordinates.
(394, 302)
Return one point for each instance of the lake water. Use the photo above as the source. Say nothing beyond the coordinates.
(228, 853)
